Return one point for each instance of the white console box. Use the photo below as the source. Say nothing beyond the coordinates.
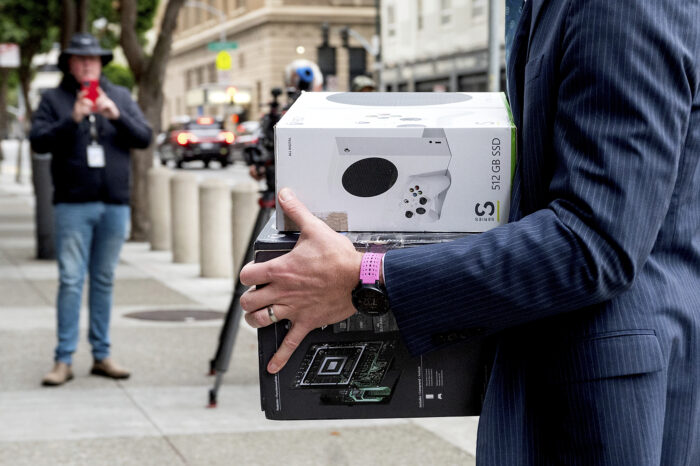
(438, 162)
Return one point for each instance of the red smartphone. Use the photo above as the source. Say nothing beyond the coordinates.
(90, 88)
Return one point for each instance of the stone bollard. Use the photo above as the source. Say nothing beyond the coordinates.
(215, 229)
(244, 210)
(159, 207)
(184, 217)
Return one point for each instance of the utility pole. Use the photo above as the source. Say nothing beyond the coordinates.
(377, 47)
(494, 76)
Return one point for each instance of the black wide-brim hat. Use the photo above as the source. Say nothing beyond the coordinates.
(86, 45)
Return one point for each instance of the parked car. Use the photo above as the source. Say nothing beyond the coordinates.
(203, 138)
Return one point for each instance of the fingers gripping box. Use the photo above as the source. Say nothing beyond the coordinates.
(433, 162)
(359, 368)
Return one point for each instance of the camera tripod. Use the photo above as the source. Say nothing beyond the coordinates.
(227, 338)
(260, 155)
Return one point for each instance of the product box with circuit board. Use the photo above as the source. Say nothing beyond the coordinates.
(360, 368)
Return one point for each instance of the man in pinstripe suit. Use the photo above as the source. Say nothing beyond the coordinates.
(593, 288)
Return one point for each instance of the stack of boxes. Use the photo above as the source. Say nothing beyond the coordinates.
(391, 170)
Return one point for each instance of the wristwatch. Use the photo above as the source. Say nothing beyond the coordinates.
(370, 297)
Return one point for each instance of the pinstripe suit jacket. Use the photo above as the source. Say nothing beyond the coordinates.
(593, 288)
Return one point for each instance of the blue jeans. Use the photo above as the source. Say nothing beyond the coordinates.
(89, 237)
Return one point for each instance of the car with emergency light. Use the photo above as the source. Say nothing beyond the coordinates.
(203, 138)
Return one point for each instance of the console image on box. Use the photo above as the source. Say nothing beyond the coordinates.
(394, 99)
(398, 161)
(349, 373)
(413, 172)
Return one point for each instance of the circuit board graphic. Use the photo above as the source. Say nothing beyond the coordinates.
(349, 373)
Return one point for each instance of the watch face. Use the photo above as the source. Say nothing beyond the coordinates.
(370, 300)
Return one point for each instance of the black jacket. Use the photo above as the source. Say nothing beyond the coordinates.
(53, 130)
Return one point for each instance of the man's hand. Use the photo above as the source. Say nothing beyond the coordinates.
(82, 107)
(311, 285)
(106, 106)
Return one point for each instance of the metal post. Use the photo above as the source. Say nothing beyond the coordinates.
(377, 46)
(494, 76)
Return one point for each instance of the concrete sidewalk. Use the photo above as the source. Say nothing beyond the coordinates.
(159, 416)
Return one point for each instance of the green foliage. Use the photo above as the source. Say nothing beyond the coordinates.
(33, 24)
(119, 74)
(109, 37)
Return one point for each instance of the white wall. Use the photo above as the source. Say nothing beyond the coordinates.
(462, 33)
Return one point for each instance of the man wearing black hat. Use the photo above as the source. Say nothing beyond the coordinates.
(89, 126)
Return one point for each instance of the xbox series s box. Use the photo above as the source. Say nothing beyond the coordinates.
(405, 161)
(360, 368)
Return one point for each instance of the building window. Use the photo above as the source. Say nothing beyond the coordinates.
(419, 9)
(478, 8)
(241, 60)
(473, 83)
(445, 12)
(391, 20)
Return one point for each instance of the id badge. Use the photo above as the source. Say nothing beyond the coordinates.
(95, 156)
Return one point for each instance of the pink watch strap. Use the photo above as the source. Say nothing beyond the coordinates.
(370, 267)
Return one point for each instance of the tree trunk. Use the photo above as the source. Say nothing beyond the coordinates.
(150, 100)
(67, 22)
(82, 16)
(4, 76)
(25, 80)
(149, 74)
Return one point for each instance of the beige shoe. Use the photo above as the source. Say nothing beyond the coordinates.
(108, 368)
(60, 374)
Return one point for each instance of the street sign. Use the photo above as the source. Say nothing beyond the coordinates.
(223, 61)
(9, 56)
(219, 46)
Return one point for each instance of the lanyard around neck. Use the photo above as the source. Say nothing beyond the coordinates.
(93, 127)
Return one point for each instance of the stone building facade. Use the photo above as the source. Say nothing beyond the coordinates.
(436, 45)
(269, 34)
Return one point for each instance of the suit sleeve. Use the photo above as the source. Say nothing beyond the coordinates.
(49, 129)
(131, 124)
(621, 115)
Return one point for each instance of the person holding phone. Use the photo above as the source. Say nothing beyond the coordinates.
(89, 125)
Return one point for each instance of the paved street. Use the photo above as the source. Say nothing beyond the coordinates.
(233, 173)
(159, 416)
